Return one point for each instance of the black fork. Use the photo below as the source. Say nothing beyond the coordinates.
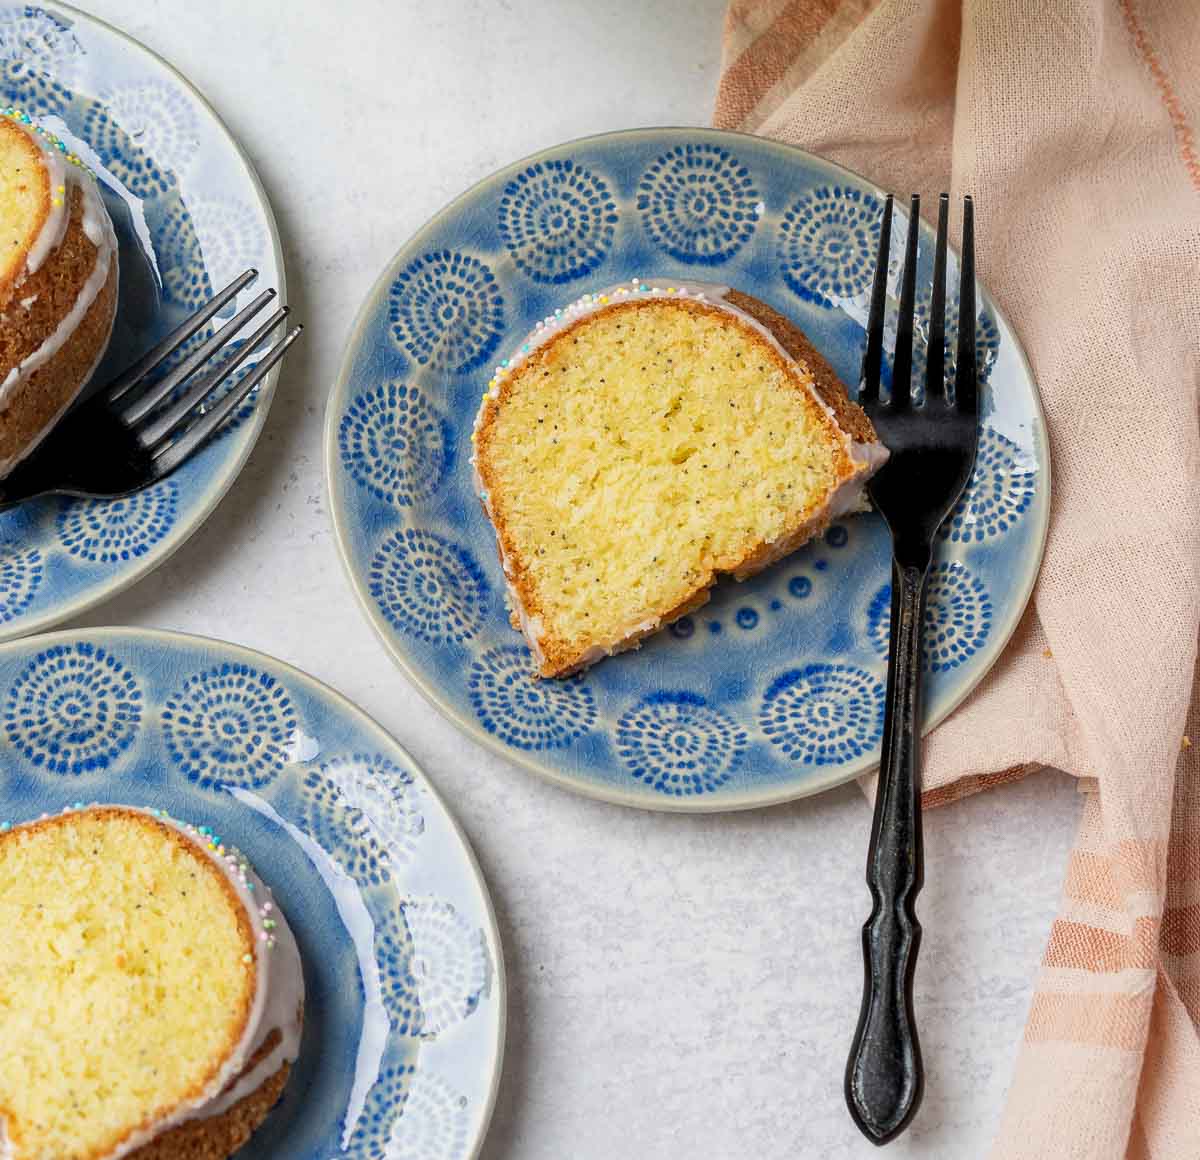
(140, 428)
(932, 452)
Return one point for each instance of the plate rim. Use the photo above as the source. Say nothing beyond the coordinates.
(701, 804)
(21, 627)
(160, 636)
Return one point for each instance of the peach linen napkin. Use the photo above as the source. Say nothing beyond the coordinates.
(1073, 123)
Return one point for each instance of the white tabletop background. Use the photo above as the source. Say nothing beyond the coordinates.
(679, 987)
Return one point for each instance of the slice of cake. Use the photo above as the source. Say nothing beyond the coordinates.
(58, 281)
(151, 994)
(646, 440)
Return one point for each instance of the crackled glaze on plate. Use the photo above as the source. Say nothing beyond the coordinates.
(190, 215)
(774, 689)
(404, 1014)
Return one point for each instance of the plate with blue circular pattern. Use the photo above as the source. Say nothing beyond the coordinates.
(190, 216)
(404, 1008)
(774, 689)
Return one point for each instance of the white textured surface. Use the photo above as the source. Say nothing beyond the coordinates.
(679, 987)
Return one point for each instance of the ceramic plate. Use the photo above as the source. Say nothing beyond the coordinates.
(404, 1013)
(774, 689)
(190, 216)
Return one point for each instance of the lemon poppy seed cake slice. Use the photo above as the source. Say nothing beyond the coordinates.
(151, 994)
(646, 440)
(58, 281)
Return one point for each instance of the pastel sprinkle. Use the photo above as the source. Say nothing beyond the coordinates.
(22, 118)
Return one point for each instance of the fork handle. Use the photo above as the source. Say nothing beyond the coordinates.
(884, 1077)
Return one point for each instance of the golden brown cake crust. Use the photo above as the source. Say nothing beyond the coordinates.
(36, 403)
(244, 926)
(558, 660)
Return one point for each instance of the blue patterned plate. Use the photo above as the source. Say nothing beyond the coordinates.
(190, 216)
(404, 1013)
(773, 690)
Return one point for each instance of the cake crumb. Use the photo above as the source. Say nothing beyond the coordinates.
(1186, 742)
(1047, 653)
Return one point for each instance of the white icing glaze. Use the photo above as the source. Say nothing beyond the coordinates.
(277, 1005)
(847, 497)
(54, 229)
(98, 228)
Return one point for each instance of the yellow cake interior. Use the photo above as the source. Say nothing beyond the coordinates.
(24, 199)
(643, 450)
(122, 981)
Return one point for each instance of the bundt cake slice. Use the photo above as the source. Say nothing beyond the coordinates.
(150, 992)
(643, 442)
(58, 281)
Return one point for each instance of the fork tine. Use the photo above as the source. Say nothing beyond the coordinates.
(139, 408)
(171, 454)
(868, 391)
(902, 359)
(180, 410)
(152, 358)
(935, 351)
(965, 385)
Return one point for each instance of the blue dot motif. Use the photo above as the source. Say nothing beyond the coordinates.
(395, 443)
(679, 744)
(958, 616)
(186, 279)
(698, 204)
(800, 586)
(38, 93)
(557, 220)
(371, 1138)
(1001, 489)
(428, 587)
(152, 132)
(747, 618)
(364, 810)
(39, 60)
(837, 536)
(393, 956)
(21, 571)
(432, 1124)
(133, 166)
(446, 311)
(524, 712)
(714, 626)
(73, 710)
(879, 619)
(827, 243)
(823, 714)
(434, 967)
(229, 725)
(113, 531)
(683, 628)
